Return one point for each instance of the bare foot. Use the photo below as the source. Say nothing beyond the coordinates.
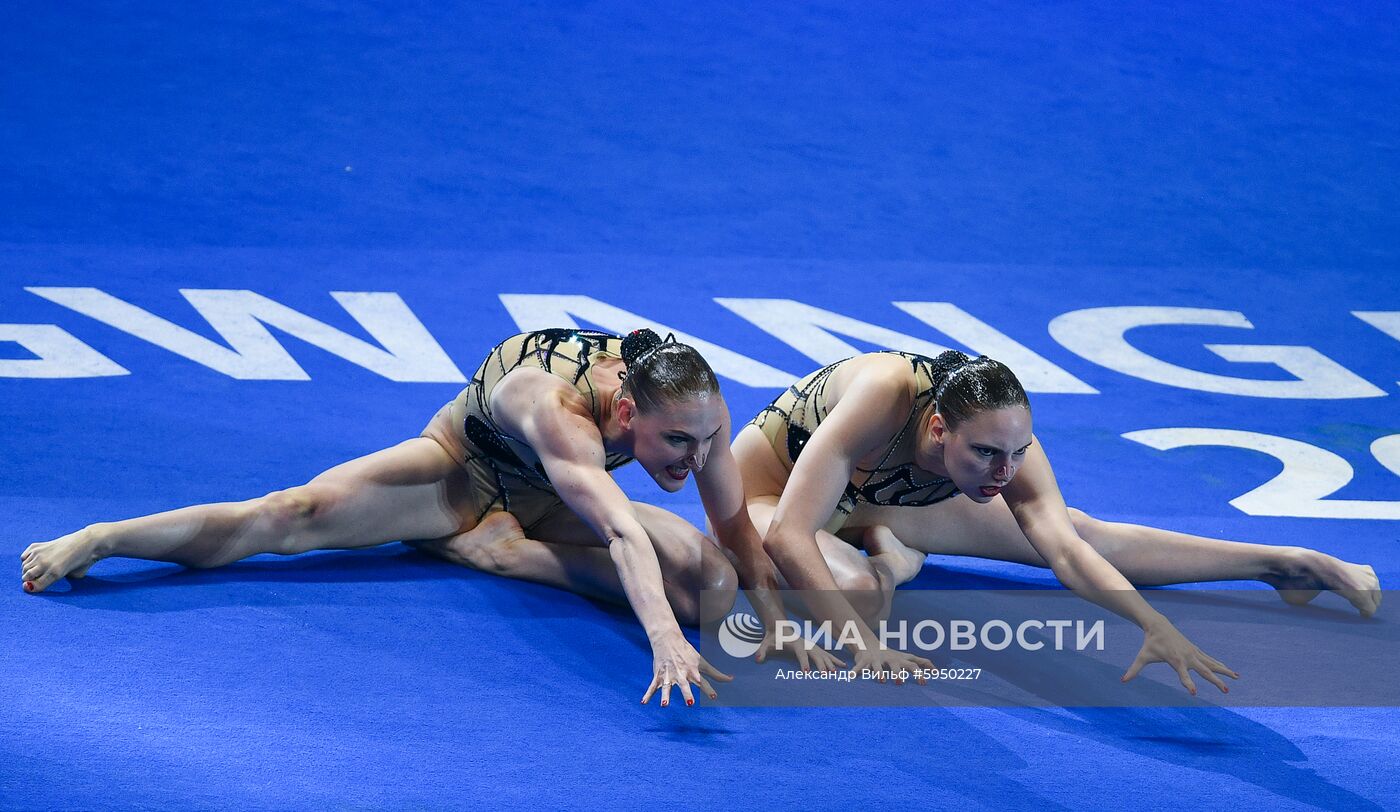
(1305, 573)
(479, 548)
(904, 562)
(43, 563)
(894, 564)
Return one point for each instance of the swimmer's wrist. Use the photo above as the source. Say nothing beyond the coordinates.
(764, 580)
(770, 610)
(663, 636)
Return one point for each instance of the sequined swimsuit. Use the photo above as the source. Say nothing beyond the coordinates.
(505, 472)
(793, 417)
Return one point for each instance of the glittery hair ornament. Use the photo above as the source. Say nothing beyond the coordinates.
(663, 371)
(639, 345)
(965, 387)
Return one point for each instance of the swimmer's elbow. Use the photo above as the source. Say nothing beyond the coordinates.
(1073, 564)
(781, 544)
(620, 527)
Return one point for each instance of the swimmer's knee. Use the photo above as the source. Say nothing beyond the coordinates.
(862, 580)
(1083, 522)
(291, 517)
(719, 575)
(290, 506)
(719, 585)
(862, 589)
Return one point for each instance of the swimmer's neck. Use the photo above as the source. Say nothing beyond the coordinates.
(928, 452)
(616, 440)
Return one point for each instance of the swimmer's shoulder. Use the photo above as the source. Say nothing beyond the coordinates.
(885, 376)
(528, 398)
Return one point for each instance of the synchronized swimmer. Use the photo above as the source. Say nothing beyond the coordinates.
(875, 450)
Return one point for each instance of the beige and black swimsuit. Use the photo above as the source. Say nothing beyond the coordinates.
(793, 417)
(505, 473)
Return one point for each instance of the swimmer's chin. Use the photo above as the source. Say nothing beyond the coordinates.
(667, 482)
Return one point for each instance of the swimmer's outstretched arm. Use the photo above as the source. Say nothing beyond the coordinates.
(1035, 500)
(721, 491)
(552, 419)
(870, 409)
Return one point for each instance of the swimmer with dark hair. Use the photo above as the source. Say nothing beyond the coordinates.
(511, 477)
(877, 449)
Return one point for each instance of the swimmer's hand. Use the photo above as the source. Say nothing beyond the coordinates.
(882, 660)
(810, 656)
(675, 662)
(1162, 643)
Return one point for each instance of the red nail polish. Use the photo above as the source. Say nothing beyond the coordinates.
(690, 702)
(28, 586)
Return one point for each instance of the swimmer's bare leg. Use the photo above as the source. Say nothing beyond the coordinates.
(498, 546)
(1146, 556)
(402, 492)
(574, 560)
(1157, 557)
(193, 536)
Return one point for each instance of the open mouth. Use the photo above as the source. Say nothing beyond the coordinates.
(991, 490)
(677, 472)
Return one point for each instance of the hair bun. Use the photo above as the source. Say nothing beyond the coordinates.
(945, 367)
(949, 360)
(637, 343)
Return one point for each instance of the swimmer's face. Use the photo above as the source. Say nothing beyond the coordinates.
(674, 440)
(984, 452)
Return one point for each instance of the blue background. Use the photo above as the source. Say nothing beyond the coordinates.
(1018, 160)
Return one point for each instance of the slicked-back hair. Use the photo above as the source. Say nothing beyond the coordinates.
(661, 372)
(968, 387)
